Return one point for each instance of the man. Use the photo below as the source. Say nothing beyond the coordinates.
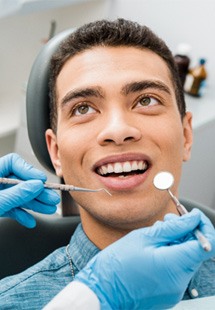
(118, 118)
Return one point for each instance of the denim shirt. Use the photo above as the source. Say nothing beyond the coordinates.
(35, 287)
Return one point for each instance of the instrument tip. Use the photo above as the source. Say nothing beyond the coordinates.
(106, 191)
(207, 247)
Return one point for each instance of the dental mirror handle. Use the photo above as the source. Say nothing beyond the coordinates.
(198, 234)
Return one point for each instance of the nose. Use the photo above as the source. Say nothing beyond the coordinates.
(118, 129)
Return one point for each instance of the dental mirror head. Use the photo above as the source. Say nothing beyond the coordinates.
(163, 180)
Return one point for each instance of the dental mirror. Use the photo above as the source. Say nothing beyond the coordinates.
(163, 180)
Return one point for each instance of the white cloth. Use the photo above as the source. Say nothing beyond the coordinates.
(75, 296)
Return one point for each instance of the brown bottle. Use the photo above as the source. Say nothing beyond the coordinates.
(182, 61)
(195, 80)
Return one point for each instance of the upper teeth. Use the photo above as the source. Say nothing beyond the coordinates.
(120, 167)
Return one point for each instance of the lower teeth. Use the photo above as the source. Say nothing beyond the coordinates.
(122, 176)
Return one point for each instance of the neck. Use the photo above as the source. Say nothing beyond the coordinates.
(100, 234)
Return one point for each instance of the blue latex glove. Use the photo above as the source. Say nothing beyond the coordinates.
(149, 268)
(31, 195)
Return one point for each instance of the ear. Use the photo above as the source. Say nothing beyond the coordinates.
(188, 136)
(52, 145)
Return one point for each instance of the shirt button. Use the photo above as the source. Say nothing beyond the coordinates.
(194, 292)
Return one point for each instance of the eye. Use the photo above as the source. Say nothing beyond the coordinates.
(83, 109)
(146, 101)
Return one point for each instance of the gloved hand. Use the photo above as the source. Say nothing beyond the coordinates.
(149, 268)
(27, 195)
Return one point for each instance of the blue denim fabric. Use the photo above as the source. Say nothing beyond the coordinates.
(35, 287)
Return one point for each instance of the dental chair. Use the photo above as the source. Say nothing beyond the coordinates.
(22, 247)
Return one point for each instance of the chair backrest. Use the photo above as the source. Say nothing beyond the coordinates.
(37, 110)
(21, 247)
(37, 99)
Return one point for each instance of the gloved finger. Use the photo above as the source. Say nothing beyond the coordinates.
(22, 217)
(49, 196)
(205, 225)
(14, 164)
(189, 254)
(170, 216)
(194, 250)
(37, 206)
(174, 229)
(19, 194)
(207, 229)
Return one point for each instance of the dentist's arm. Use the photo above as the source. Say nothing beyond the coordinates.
(149, 268)
(28, 195)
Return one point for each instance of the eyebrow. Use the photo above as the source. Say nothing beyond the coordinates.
(143, 85)
(128, 88)
(82, 93)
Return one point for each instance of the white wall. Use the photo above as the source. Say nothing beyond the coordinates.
(176, 21)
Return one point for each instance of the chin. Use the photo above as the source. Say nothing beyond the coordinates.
(122, 220)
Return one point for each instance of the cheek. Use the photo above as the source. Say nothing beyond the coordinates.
(174, 144)
(69, 149)
(73, 146)
(175, 153)
(170, 140)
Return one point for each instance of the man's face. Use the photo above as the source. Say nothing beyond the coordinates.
(118, 126)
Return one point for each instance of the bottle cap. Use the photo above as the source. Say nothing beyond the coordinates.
(202, 61)
(183, 49)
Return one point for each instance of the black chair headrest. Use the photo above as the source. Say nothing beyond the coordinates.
(37, 99)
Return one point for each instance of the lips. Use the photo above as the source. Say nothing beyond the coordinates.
(123, 172)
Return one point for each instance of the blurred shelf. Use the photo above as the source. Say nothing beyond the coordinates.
(9, 118)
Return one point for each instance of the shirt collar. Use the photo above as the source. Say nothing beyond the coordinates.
(81, 249)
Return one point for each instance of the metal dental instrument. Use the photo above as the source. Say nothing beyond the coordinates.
(163, 181)
(56, 186)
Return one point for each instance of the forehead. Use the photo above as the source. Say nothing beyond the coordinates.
(111, 66)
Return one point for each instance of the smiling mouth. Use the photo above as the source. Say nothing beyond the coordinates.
(123, 169)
